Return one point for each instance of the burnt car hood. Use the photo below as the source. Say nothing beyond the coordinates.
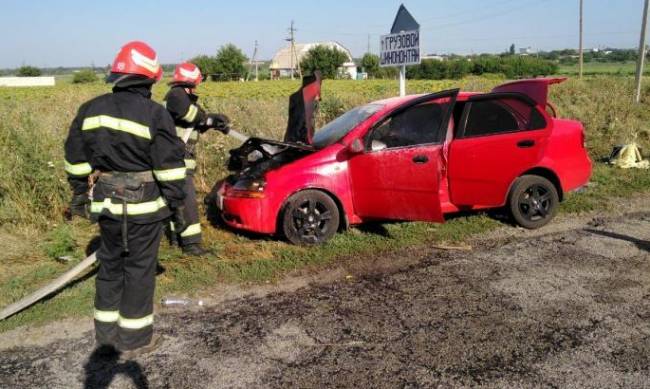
(257, 156)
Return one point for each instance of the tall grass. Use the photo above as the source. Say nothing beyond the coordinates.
(34, 122)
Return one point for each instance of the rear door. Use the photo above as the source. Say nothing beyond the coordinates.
(398, 175)
(500, 136)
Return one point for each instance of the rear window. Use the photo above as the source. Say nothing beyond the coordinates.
(495, 116)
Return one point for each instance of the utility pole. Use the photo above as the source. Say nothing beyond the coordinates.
(581, 63)
(642, 52)
(368, 51)
(253, 61)
(292, 39)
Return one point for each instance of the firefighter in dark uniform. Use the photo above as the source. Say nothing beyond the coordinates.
(191, 120)
(122, 154)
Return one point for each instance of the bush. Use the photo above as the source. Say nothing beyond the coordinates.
(509, 66)
(207, 64)
(84, 76)
(326, 59)
(28, 71)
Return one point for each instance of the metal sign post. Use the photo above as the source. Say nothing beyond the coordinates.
(401, 47)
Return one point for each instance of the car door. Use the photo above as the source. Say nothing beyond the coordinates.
(500, 136)
(397, 176)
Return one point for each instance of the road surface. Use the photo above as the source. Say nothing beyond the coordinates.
(568, 306)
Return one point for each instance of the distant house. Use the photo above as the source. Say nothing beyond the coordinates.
(434, 57)
(526, 50)
(283, 64)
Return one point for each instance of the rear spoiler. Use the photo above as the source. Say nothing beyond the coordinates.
(535, 88)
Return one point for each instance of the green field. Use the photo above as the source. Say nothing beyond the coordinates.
(34, 192)
(602, 68)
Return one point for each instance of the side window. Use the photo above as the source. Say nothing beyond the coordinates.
(502, 115)
(417, 125)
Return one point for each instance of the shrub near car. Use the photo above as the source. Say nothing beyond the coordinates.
(413, 158)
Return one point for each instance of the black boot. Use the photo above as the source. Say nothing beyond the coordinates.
(195, 250)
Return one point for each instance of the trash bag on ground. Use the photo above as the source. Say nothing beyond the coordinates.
(628, 156)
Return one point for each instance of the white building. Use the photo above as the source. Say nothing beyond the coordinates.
(283, 63)
(526, 50)
(27, 81)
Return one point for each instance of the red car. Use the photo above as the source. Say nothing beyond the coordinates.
(414, 158)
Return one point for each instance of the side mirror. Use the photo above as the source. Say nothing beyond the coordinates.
(356, 146)
(377, 145)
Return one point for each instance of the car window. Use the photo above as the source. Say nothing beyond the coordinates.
(333, 131)
(417, 125)
(495, 116)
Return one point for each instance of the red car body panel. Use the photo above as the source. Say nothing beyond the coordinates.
(459, 174)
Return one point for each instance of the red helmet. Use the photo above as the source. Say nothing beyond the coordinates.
(187, 73)
(137, 58)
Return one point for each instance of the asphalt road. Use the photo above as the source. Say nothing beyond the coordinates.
(565, 307)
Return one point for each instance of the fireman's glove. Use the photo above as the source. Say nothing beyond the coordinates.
(219, 122)
(79, 205)
(178, 218)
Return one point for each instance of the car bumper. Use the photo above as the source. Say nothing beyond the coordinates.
(250, 214)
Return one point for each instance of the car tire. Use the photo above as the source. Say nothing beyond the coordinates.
(533, 201)
(310, 217)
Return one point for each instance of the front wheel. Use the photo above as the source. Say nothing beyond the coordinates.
(310, 217)
(533, 201)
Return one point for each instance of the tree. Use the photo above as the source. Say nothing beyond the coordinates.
(511, 51)
(207, 64)
(84, 76)
(326, 59)
(370, 64)
(229, 62)
(29, 71)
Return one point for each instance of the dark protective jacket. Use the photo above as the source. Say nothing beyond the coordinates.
(125, 131)
(187, 114)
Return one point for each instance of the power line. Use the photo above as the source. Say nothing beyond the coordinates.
(485, 16)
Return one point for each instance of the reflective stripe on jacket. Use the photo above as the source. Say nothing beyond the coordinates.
(125, 131)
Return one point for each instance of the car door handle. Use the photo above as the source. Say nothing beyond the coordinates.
(420, 159)
(525, 143)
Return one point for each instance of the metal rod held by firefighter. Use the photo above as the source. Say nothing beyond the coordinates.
(237, 135)
(49, 288)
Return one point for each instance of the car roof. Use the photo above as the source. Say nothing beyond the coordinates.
(394, 102)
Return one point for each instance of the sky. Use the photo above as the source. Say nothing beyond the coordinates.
(82, 33)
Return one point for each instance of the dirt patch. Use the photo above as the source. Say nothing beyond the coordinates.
(568, 306)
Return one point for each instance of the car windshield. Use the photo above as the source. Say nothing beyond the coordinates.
(336, 129)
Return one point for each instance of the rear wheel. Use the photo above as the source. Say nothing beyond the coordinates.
(309, 217)
(533, 201)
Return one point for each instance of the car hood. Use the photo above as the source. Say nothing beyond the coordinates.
(257, 156)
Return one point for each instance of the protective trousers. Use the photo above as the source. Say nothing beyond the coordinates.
(125, 284)
(191, 235)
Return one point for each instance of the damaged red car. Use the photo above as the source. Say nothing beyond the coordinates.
(413, 158)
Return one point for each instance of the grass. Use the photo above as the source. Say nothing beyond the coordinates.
(601, 68)
(34, 192)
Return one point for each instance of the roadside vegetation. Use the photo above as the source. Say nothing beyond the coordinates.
(34, 191)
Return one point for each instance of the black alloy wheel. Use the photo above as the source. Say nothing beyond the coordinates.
(310, 217)
(533, 201)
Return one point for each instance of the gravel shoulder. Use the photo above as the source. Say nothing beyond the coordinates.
(566, 306)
